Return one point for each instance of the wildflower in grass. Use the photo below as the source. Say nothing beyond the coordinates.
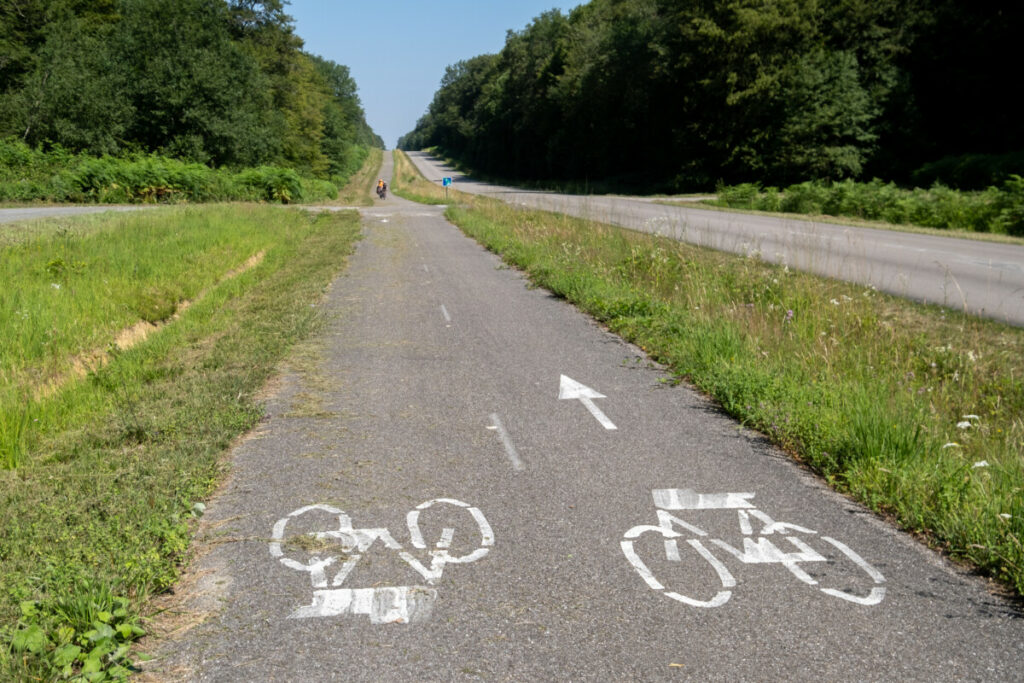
(834, 302)
(1005, 516)
(964, 424)
(789, 316)
(980, 463)
(55, 285)
(951, 444)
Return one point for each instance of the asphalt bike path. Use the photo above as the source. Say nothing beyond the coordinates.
(463, 477)
(985, 278)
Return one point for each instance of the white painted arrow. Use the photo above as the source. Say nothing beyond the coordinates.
(570, 389)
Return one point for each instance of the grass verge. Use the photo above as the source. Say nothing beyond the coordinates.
(360, 188)
(703, 204)
(916, 411)
(103, 475)
(407, 182)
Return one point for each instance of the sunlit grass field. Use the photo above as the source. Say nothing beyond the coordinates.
(69, 293)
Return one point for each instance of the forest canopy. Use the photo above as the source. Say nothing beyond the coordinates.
(681, 94)
(220, 82)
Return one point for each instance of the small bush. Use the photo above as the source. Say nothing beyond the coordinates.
(317, 190)
(739, 196)
(273, 184)
(1009, 205)
(806, 197)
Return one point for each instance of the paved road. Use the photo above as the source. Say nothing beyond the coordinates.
(34, 212)
(421, 504)
(982, 277)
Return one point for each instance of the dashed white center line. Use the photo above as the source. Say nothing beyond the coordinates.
(444, 312)
(510, 449)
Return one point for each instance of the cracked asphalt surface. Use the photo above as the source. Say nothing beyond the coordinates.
(420, 504)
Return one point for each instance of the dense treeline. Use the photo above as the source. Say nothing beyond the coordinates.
(218, 82)
(683, 93)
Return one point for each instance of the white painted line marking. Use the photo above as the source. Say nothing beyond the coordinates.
(425, 268)
(510, 449)
(688, 499)
(760, 547)
(570, 389)
(444, 311)
(384, 605)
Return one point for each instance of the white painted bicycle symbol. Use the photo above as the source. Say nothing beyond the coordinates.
(759, 546)
(340, 550)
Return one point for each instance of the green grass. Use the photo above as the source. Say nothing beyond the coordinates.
(101, 474)
(407, 182)
(998, 210)
(34, 175)
(869, 390)
(360, 188)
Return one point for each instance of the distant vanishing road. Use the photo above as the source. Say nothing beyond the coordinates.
(983, 278)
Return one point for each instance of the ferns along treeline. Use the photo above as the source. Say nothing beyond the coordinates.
(224, 83)
(679, 94)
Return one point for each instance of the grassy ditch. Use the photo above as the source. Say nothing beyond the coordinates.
(916, 411)
(102, 470)
(407, 182)
(360, 188)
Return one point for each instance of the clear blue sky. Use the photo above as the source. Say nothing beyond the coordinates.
(397, 51)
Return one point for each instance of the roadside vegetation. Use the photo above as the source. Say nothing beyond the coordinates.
(408, 183)
(997, 210)
(170, 101)
(361, 187)
(661, 96)
(134, 346)
(35, 175)
(917, 411)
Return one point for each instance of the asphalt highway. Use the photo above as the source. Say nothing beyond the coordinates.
(464, 478)
(984, 278)
(34, 212)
